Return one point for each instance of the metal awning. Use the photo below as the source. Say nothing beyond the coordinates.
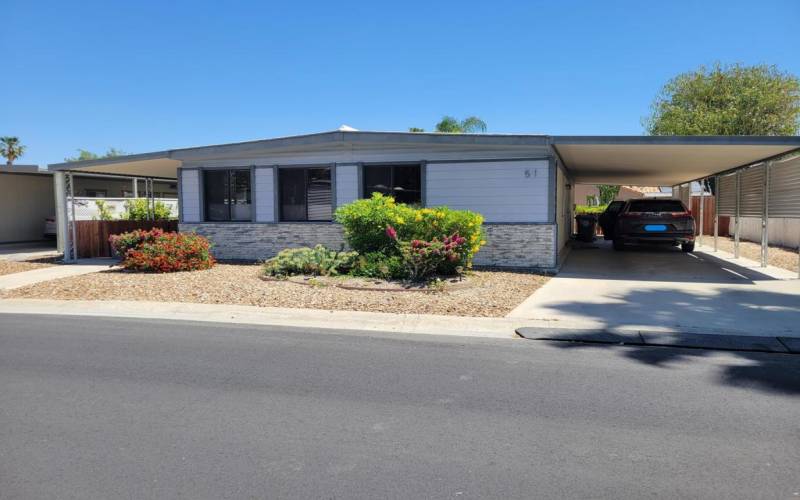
(662, 160)
(159, 165)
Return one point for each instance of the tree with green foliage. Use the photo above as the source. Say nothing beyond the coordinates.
(11, 149)
(727, 100)
(469, 125)
(416, 129)
(84, 155)
(607, 193)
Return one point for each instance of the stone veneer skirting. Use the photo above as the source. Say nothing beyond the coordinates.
(509, 245)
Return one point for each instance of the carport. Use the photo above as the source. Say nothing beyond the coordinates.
(750, 176)
(146, 168)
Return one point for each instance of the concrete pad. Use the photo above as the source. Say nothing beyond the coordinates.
(792, 344)
(28, 251)
(25, 278)
(665, 290)
(598, 336)
(728, 342)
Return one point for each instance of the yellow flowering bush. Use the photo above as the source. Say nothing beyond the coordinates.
(365, 222)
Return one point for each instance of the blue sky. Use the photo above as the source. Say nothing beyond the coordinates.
(149, 75)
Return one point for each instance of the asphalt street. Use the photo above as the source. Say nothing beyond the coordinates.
(97, 408)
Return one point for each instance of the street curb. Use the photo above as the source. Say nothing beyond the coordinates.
(721, 342)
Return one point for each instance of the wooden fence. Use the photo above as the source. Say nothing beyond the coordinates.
(92, 235)
(709, 209)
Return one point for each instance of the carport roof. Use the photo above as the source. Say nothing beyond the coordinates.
(662, 160)
(628, 160)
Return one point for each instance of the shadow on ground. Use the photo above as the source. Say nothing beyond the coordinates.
(775, 373)
(775, 314)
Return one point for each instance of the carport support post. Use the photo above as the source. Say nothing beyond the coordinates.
(716, 211)
(765, 218)
(736, 229)
(702, 210)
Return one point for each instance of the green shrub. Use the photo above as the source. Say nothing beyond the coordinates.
(318, 261)
(137, 209)
(104, 212)
(381, 266)
(365, 223)
(588, 209)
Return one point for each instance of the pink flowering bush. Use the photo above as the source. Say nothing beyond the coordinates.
(423, 258)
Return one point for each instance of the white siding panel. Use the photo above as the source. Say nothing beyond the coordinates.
(265, 194)
(503, 191)
(346, 184)
(190, 195)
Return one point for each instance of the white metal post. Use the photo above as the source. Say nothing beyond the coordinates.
(716, 212)
(60, 192)
(73, 248)
(736, 230)
(765, 218)
(702, 210)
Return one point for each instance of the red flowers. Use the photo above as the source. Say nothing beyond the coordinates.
(157, 251)
(391, 232)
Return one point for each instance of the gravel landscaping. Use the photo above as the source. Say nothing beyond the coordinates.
(785, 258)
(491, 293)
(11, 267)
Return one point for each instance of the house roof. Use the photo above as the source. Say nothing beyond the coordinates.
(624, 160)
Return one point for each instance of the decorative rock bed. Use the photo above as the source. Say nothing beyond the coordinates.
(439, 284)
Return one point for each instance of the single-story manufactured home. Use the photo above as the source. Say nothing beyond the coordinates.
(253, 199)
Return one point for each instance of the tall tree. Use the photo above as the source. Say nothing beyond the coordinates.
(11, 149)
(84, 154)
(469, 125)
(727, 100)
(607, 193)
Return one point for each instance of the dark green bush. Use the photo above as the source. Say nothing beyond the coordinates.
(381, 266)
(318, 261)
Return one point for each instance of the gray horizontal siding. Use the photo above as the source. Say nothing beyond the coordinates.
(502, 191)
(346, 184)
(265, 194)
(190, 196)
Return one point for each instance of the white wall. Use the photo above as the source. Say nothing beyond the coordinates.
(190, 195)
(346, 184)
(782, 232)
(265, 194)
(563, 207)
(25, 201)
(503, 191)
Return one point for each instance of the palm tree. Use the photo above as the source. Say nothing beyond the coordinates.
(469, 125)
(11, 149)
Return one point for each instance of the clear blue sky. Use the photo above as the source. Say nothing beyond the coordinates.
(149, 75)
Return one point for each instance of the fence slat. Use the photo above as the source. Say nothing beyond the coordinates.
(92, 235)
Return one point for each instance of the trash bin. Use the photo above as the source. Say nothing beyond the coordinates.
(586, 227)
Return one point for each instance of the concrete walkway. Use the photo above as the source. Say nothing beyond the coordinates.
(25, 278)
(666, 290)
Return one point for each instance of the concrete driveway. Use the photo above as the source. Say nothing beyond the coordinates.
(664, 289)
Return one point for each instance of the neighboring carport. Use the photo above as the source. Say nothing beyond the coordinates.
(146, 168)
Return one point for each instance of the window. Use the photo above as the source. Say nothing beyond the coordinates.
(305, 194)
(656, 206)
(96, 193)
(401, 181)
(227, 195)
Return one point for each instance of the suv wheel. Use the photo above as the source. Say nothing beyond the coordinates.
(619, 245)
(687, 247)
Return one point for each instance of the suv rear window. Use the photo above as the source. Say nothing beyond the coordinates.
(656, 206)
(615, 206)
